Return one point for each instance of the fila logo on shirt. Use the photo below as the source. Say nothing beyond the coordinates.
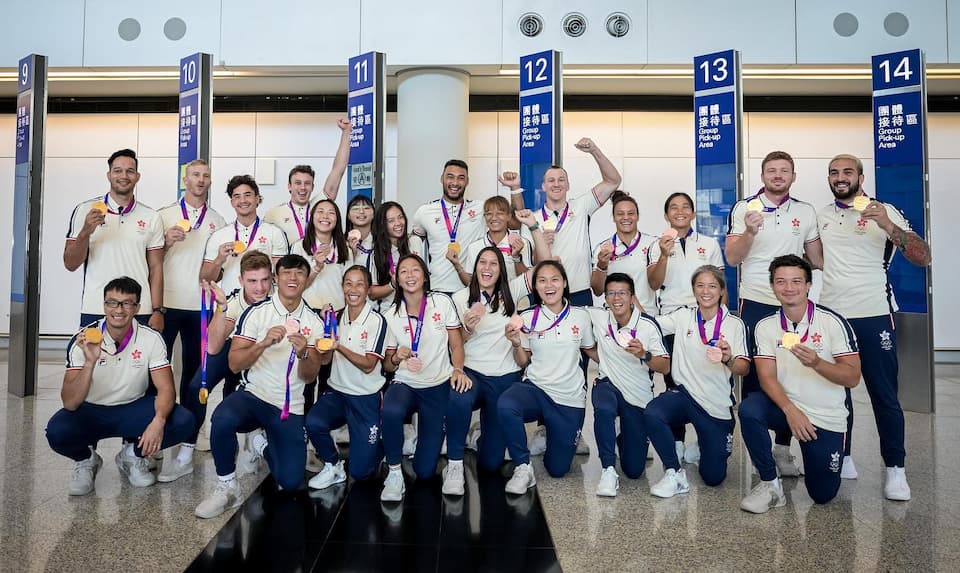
(886, 342)
(834, 466)
(374, 434)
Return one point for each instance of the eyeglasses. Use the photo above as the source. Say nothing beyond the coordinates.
(363, 207)
(614, 293)
(127, 304)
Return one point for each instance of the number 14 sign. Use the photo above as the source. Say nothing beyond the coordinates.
(897, 70)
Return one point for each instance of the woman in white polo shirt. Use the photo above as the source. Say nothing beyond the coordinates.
(425, 349)
(391, 241)
(709, 348)
(353, 393)
(485, 308)
(360, 211)
(547, 343)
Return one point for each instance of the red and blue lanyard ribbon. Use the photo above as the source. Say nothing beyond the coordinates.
(701, 326)
(451, 229)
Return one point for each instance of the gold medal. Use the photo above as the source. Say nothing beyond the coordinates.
(324, 344)
(755, 205)
(93, 335)
(203, 395)
(789, 339)
(239, 247)
(549, 225)
(455, 247)
(100, 206)
(184, 225)
(861, 202)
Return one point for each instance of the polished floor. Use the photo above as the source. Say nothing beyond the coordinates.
(347, 529)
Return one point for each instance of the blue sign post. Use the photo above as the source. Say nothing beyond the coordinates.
(27, 225)
(196, 113)
(718, 106)
(901, 171)
(366, 106)
(541, 112)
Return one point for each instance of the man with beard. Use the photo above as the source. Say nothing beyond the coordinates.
(448, 225)
(860, 236)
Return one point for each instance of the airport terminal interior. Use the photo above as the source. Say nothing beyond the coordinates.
(448, 82)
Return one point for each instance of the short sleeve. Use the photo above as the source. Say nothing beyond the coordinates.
(279, 246)
(813, 230)
(390, 340)
(213, 246)
(158, 352)
(668, 323)
(897, 218)
(376, 331)
(76, 221)
(735, 222)
(716, 257)
(418, 228)
(843, 342)
(652, 339)
(246, 327)
(451, 318)
(75, 357)
(156, 234)
(766, 339)
(653, 254)
(737, 339)
(416, 246)
(587, 339)
(470, 254)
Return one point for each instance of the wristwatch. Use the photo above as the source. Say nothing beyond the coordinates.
(160, 309)
(647, 357)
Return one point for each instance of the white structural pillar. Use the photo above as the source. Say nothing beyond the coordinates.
(432, 109)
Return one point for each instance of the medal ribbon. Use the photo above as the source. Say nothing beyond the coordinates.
(285, 412)
(330, 324)
(505, 250)
(701, 326)
(626, 251)
(121, 210)
(120, 345)
(451, 229)
(296, 219)
(332, 257)
(633, 332)
(253, 232)
(783, 321)
(775, 207)
(536, 314)
(204, 341)
(415, 336)
(563, 216)
(842, 205)
(186, 215)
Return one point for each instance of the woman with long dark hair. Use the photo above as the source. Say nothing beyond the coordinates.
(485, 308)
(425, 349)
(391, 241)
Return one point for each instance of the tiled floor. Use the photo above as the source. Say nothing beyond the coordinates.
(153, 529)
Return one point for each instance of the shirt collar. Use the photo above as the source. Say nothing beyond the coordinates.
(282, 310)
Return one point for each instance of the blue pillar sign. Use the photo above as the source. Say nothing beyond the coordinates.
(717, 106)
(541, 110)
(196, 107)
(901, 172)
(366, 107)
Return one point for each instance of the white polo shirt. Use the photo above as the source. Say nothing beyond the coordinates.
(709, 383)
(488, 351)
(676, 290)
(831, 337)
(520, 290)
(327, 286)
(469, 258)
(121, 378)
(856, 256)
(117, 248)
(627, 372)
(267, 378)
(434, 349)
(416, 248)
(367, 335)
(785, 231)
(269, 239)
(633, 264)
(365, 252)
(555, 354)
(285, 218)
(572, 242)
(181, 286)
(428, 223)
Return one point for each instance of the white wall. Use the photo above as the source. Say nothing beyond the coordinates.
(653, 151)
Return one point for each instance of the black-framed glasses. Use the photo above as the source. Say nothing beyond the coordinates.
(127, 304)
(613, 293)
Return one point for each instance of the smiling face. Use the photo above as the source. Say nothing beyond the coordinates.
(550, 285)
(790, 286)
(496, 218)
(360, 214)
(844, 179)
(300, 187)
(707, 290)
(625, 216)
(256, 284)
(291, 282)
(488, 270)
(355, 288)
(454, 181)
(324, 217)
(197, 181)
(619, 298)
(123, 175)
(778, 176)
(121, 317)
(396, 223)
(244, 201)
(679, 213)
(410, 276)
(555, 185)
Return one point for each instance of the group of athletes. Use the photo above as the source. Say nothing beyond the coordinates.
(312, 321)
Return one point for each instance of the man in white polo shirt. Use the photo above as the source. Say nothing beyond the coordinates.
(806, 360)
(116, 235)
(221, 261)
(761, 227)
(274, 348)
(566, 223)
(187, 223)
(110, 365)
(448, 225)
(860, 237)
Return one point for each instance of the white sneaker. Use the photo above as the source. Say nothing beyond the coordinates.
(896, 488)
(609, 482)
(174, 469)
(766, 495)
(226, 496)
(409, 440)
(248, 459)
(85, 474)
(786, 462)
(136, 469)
(330, 474)
(453, 479)
(314, 464)
(473, 437)
(691, 453)
(680, 451)
(848, 470)
(393, 486)
(522, 480)
(672, 483)
(538, 444)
